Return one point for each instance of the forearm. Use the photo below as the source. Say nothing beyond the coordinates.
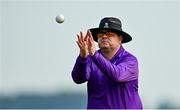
(119, 73)
(81, 70)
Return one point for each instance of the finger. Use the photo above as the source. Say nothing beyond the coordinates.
(89, 32)
(90, 42)
(80, 46)
(79, 39)
(81, 36)
(90, 35)
(87, 36)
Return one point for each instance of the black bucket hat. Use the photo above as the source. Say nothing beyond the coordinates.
(113, 24)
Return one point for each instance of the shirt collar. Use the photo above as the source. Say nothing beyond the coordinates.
(118, 54)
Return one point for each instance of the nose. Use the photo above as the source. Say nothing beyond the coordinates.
(104, 36)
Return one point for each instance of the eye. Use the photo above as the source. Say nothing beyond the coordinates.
(100, 34)
(110, 34)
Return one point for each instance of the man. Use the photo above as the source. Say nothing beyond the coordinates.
(111, 72)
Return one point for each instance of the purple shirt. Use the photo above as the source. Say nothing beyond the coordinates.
(111, 83)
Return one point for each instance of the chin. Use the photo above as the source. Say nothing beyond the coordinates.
(105, 47)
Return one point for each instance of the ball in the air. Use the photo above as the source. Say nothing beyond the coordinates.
(60, 18)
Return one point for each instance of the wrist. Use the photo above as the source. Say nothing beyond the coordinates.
(92, 53)
(83, 54)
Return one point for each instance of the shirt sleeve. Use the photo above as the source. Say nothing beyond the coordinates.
(124, 71)
(81, 71)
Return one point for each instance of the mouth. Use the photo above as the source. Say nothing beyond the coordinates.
(104, 41)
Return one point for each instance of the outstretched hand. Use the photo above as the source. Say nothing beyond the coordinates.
(86, 44)
(91, 44)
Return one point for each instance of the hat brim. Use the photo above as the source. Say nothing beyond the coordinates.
(126, 36)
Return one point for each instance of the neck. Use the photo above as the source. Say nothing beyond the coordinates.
(109, 53)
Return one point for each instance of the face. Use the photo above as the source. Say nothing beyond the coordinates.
(108, 39)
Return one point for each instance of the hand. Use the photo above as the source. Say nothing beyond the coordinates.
(91, 44)
(83, 45)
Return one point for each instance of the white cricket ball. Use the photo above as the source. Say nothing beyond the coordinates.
(60, 18)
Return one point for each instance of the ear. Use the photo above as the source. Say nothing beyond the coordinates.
(120, 37)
